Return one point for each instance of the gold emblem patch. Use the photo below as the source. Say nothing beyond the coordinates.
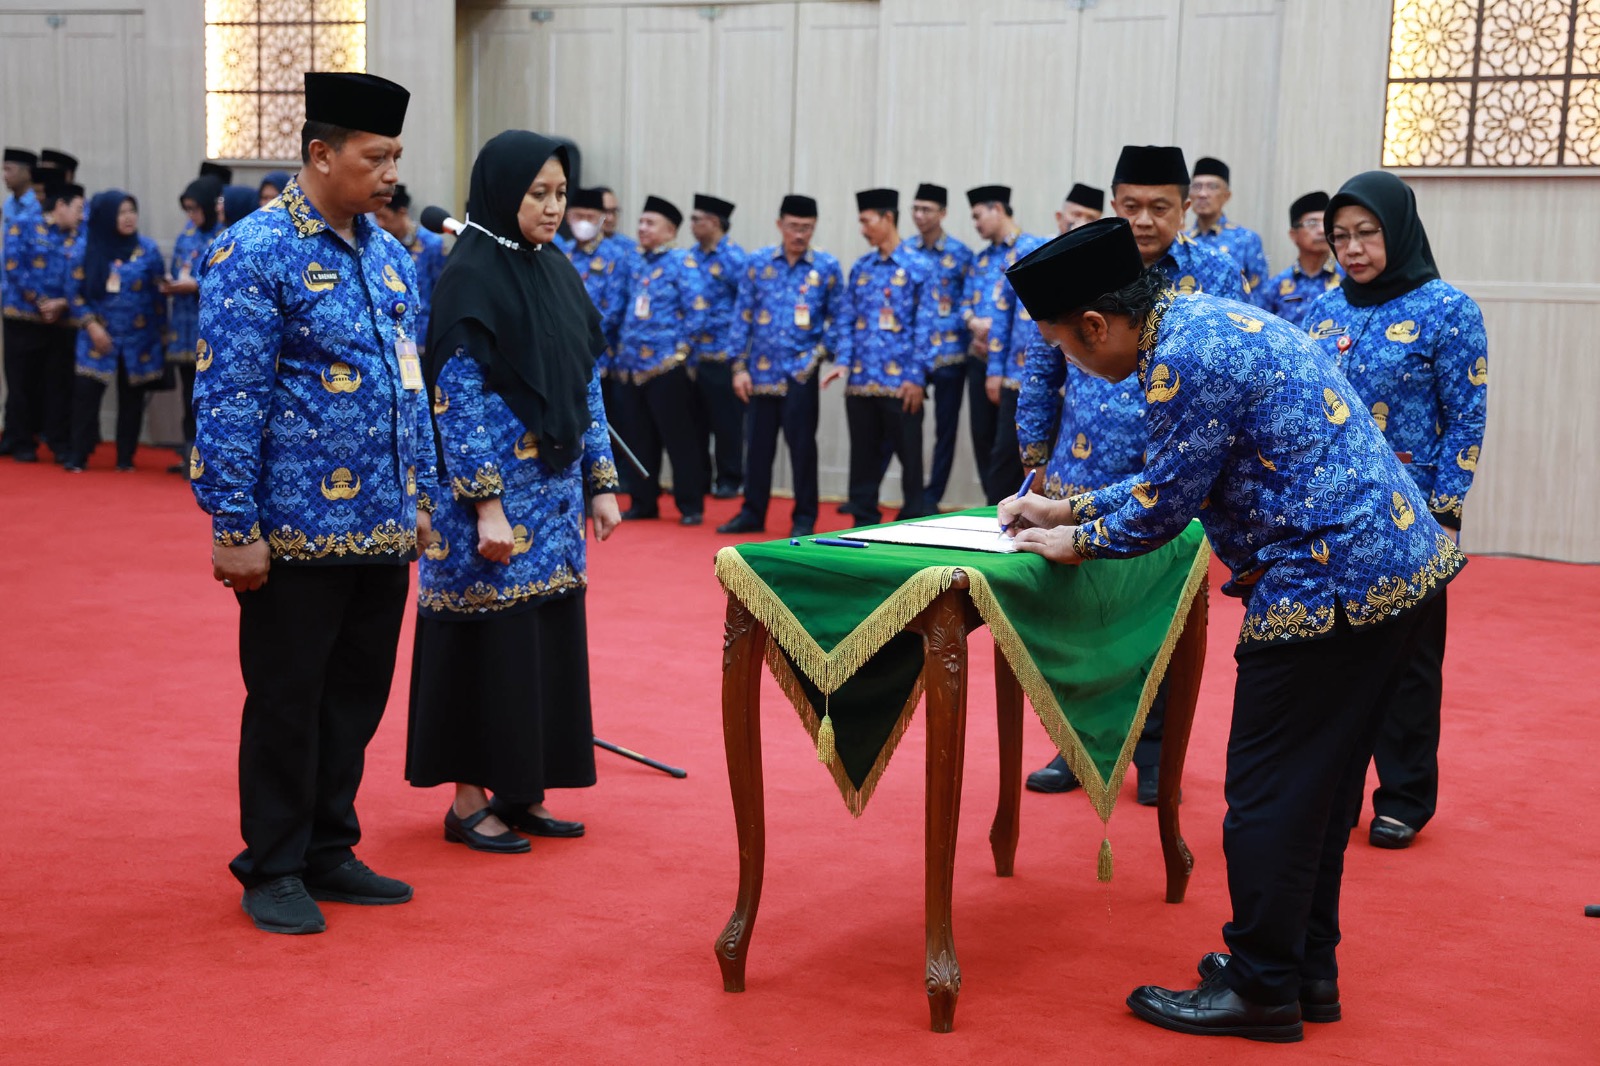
(346, 486)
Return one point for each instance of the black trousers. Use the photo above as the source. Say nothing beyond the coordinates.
(317, 650)
(722, 416)
(1147, 752)
(186, 390)
(86, 396)
(981, 422)
(1407, 753)
(28, 363)
(877, 421)
(1305, 719)
(947, 385)
(1005, 458)
(662, 414)
(796, 414)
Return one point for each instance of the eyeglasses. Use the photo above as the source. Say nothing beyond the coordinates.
(1363, 236)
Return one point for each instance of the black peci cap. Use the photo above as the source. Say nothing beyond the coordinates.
(1087, 196)
(1214, 167)
(1076, 268)
(588, 199)
(878, 200)
(57, 158)
(711, 205)
(223, 174)
(1311, 201)
(22, 156)
(989, 194)
(937, 194)
(1150, 165)
(401, 198)
(665, 208)
(798, 206)
(363, 102)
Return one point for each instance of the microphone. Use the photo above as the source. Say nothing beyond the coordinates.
(438, 220)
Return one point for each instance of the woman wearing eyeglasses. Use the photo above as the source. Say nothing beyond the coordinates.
(1413, 346)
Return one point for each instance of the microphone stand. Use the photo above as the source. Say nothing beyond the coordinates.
(618, 749)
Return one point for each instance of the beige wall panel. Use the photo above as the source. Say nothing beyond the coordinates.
(509, 76)
(409, 41)
(752, 113)
(1513, 229)
(930, 129)
(1227, 100)
(668, 107)
(1128, 80)
(29, 67)
(104, 45)
(583, 86)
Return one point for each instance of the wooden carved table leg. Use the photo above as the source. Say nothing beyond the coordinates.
(1183, 689)
(743, 651)
(1008, 710)
(946, 683)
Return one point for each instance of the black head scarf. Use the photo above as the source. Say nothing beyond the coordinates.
(1410, 264)
(237, 202)
(521, 312)
(276, 180)
(105, 245)
(204, 193)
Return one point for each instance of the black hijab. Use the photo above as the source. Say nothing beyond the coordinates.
(522, 312)
(1410, 264)
(237, 202)
(204, 193)
(105, 245)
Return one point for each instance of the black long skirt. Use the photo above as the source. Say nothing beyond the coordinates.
(503, 702)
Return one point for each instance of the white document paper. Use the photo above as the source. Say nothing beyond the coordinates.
(961, 532)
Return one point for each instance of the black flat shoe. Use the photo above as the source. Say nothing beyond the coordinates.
(743, 523)
(637, 513)
(802, 529)
(1319, 998)
(1149, 786)
(725, 492)
(1391, 835)
(1214, 1009)
(462, 831)
(1054, 777)
(691, 519)
(521, 819)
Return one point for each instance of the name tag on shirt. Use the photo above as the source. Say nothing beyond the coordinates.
(322, 277)
(802, 316)
(886, 318)
(944, 305)
(641, 306)
(410, 366)
(114, 278)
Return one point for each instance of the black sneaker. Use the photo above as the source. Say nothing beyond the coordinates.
(282, 906)
(355, 883)
(1053, 777)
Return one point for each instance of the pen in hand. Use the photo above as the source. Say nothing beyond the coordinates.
(1027, 483)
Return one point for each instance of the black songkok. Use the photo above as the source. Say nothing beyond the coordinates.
(1076, 268)
(589, 199)
(713, 206)
(23, 156)
(224, 175)
(989, 194)
(878, 200)
(1214, 167)
(937, 194)
(1150, 165)
(1311, 201)
(664, 208)
(798, 206)
(1087, 196)
(363, 102)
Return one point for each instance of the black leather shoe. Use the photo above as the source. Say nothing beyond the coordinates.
(847, 508)
(636, 513)
(354, 882)
(464, 831)
(282, 906)
(25, 456)
(743, 523)
(802, 529)
(1391, 835)
(1054, 777)
(1319, 998)
(522, 819)
(725, 491)
(1149, 786)
(691, 519)
(1214, 1009)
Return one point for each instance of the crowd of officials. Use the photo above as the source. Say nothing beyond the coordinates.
(357, 400)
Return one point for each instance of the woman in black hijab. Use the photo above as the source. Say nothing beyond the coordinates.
(500, 673)
(1415, 350)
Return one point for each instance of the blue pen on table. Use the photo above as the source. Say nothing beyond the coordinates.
(1027, 483)
(835, 542)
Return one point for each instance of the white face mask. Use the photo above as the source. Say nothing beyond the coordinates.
(584, 230)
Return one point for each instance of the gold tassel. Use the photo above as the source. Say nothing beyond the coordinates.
(825, 749)
(1104, 871)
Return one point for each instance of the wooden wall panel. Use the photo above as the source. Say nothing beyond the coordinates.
(667, 114)
(1128, 67)
(752, 113)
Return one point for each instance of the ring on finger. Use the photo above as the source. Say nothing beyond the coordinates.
(227, 583)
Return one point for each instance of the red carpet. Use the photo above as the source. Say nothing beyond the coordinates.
(123, 940)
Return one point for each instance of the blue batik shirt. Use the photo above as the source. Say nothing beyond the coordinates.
(949, 262)
(488, 454)
(305, 432)
(135, 315)
(1241, 245)
(1087, 433)
(1254, 431)
(427, 255)
(1021, 330)
(600, 267)
(1290, 294)
(21, 215)
(662, 308)
(893, 307)
(58, 270)
(789, 319)
(1420, 364)
(989, 294)
(1190, 268)
(188, 252)
(719, 272)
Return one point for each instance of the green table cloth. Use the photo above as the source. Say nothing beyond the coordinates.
(1089, 643)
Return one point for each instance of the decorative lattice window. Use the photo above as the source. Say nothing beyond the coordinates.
(256, 54)
(1493, 83)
